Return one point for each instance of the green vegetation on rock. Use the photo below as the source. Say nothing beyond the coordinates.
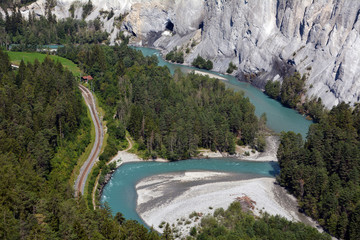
(11, 3)
(201, 63)
(87, 9)
(291, 93)
(175, 56)
(272, 89)
(292, 89)
(231, 68)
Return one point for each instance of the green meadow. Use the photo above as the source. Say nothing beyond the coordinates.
(16, 57)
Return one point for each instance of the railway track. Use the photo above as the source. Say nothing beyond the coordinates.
(99, 137)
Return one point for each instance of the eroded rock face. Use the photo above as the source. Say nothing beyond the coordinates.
(265, 39)
(168, 20)
(268, 38)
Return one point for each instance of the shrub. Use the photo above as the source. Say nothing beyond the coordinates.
(272, 89)
(111, 14)
(261, 143)
(193, 231)
(87, 8)
(175, 56)
(201, 63)
(72, 10)
(231, 68)
(193, 214)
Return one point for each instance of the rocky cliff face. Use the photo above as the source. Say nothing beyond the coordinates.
(265, 39)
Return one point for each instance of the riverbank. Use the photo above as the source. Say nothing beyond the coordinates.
(209, 75)
(258, 86)
(195, 70)
(173, 197)
(242, 153)
(269, 155)
(279, 118)
(246, 153)
(125, 157)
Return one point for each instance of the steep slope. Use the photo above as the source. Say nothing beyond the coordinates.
(265, 39)
(269, 39)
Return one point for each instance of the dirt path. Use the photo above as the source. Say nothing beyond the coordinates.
(94, 190)
(99, 137)
(130, 144)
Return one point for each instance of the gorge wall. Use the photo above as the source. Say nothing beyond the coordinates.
(265, 39)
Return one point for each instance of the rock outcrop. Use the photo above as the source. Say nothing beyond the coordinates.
(265, 39)
(268, 39)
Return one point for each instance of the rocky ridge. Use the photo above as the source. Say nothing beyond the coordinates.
(265, 39)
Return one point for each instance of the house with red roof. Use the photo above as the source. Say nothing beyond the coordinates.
(86, 78)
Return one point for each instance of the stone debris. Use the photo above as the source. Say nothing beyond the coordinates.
(246, 202)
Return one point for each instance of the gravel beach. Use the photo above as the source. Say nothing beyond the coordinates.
(173, 196)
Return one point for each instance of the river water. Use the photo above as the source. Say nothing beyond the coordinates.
(120, 191)
(279, 118)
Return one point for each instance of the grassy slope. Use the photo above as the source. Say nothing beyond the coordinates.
(16, 57)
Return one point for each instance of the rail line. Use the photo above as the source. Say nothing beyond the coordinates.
(99, 137)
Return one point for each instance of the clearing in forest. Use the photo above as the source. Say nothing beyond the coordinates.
(16, 57)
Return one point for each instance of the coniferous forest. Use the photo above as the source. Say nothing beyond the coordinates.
(28, 35)
(42, 135)
(44, 128)
(324, 172)
(169, 117)
(291, 93)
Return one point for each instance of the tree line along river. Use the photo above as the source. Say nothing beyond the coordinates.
(120, 192)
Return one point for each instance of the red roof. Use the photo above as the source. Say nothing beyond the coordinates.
(87, 78)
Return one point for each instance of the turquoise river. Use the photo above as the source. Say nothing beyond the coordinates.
(279, 118)
(120, 192)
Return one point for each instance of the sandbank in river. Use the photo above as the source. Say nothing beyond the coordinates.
(173, 196)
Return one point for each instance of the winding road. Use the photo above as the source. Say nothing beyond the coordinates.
(99, 137)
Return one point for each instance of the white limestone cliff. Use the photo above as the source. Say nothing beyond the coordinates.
(265, 39)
